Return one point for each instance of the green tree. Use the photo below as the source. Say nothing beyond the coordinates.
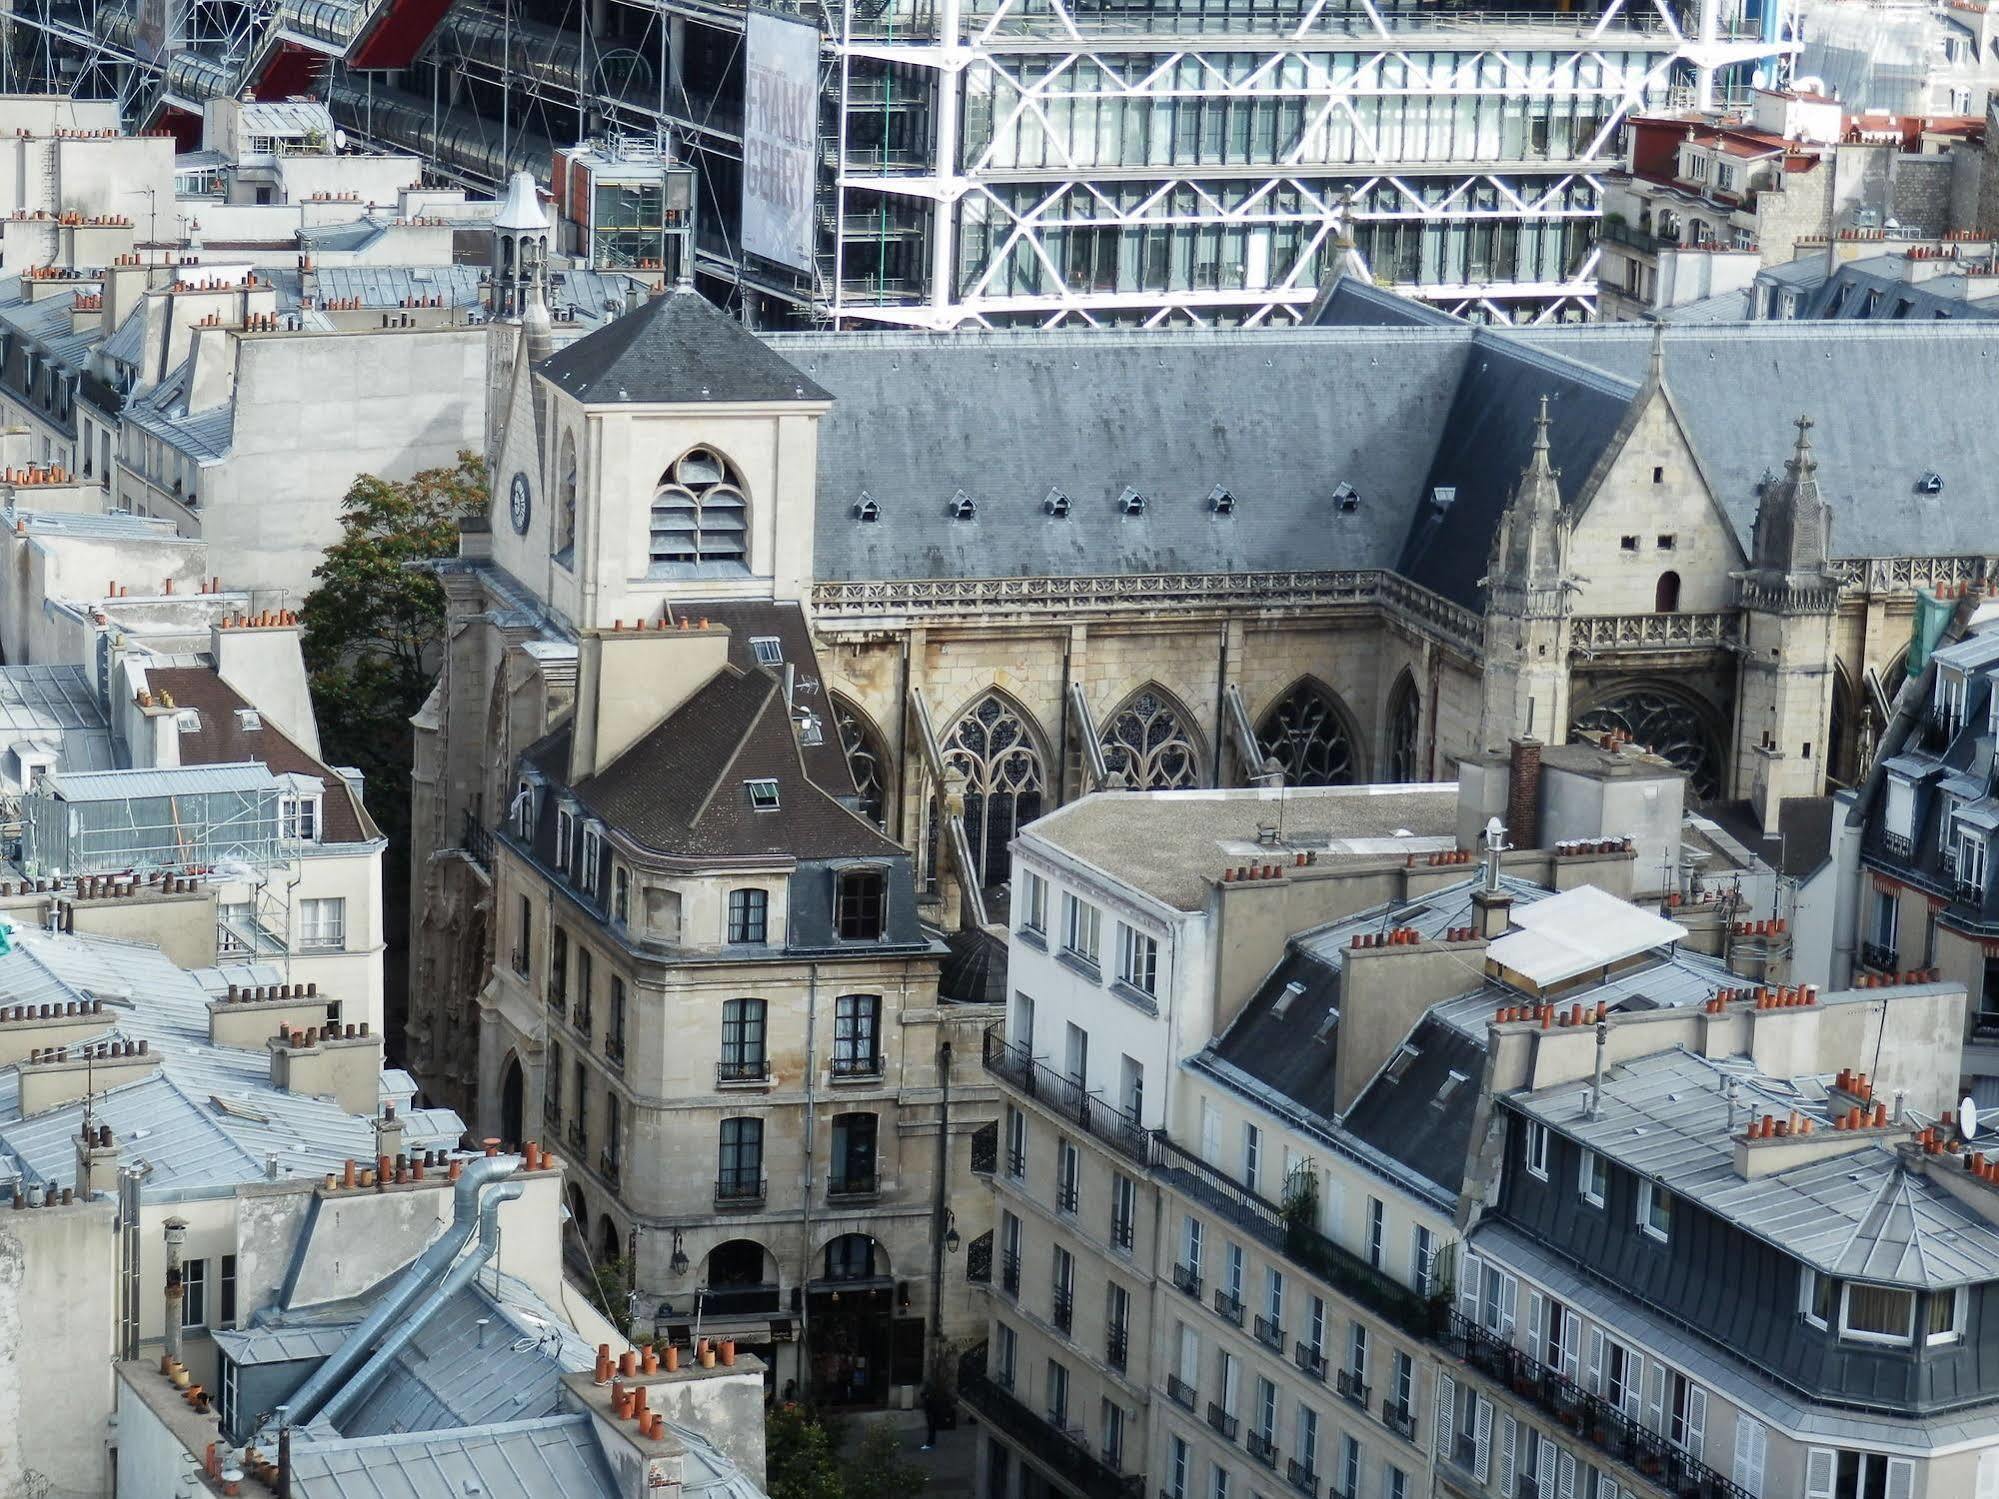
(879, 1470)
(800, 1456)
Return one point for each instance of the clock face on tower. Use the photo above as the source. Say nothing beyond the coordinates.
(520, 503)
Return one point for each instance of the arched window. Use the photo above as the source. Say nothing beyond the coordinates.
(1666, 597)
(1666, 723)
(1149, 743)
(610, 1245)
(854, 1257)
(992, 748)
(1306, 732)
(867, 759)
(565, 497)
(699, 513)
(737, 1262)
(743, 1058)
(1405, 720)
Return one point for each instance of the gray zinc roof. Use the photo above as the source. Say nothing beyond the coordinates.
(1277, 417)
(557, 1459)
(1857, 1216)
(1892, 401)
(676, 348)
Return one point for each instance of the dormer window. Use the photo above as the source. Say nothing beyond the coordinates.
(762, 794)
(248, 719)
(962, 507)
(299, 816)
(1131, 502)
(860, 905)
(593, 858)
(1056, 504)
(1221, 501)
(522, 810)
(1877, 1314)
(1346, 499)
(866, 510)
(188, 721)
(565, 836)
(1950, 700)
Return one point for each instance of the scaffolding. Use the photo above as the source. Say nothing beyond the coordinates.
(187, 820)
(996, 162)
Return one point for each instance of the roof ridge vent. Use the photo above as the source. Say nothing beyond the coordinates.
(1221, 501)
(1131, 502)
(963, 507)
(1056, 503)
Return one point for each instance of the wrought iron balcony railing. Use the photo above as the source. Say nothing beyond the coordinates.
(1227, 1307)
(1880, 957)
(1062, 1310)
(1398, 1418)
(1188, 1279)
(1269, 1334)
(1180, 1392)
(1222, 1421)
(739, 1189)
(1063, 1096)
(1121, 1231)
(1351, 1388)
(1073, 1463)
(1262, 1448)
(1308, 1358)
(1117, 1346)
(1010, 1272)
(1303, 1478)
(743, 1070)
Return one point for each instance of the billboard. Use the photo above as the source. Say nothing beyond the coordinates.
(780, 126)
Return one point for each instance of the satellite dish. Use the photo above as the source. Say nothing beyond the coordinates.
(1967, 1118)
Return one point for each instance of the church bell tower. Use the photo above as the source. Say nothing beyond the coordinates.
(1789, 598)
(1528, 604)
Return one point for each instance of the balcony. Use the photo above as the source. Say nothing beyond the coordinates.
(740, 1190)
(1010, 1272)
(754, 1070)
(1075, 1465)
(1117, 1346)
(1016, 1162)
(1303, 1478)
(1880, 957)
(855, 1186)
(478, 841)
(1188, 1279)
(1062, 1310)
(1121, 1232)
(1309, 1360)
(1351, 1388)
(1222, 1421)
(1399, 1418)
(1062, 1096)
(581, 1020)
(1227, 1307)
(1066, 1194)
(608, 1167)
(1180, 1392)
(1261, 1448)
(614, 1050)
(979, 1259)
(1593, 1420)
(1269, 1334)
(738, 1301)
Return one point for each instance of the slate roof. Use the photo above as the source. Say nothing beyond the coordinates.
(825, 762)
(1483, 444)
(676, 348)
(55, 707)
(1278, 417)
(1860, 1215)
(679, 788)
(1892, 401)
(1422, 1116)
(223, 740)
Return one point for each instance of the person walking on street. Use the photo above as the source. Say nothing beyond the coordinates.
(935, 1413)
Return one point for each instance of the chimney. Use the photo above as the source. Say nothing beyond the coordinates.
(1523, 792)
(249, 1014)
(176, 1229)
(389, 1133)
(96, 1162)
(344, 1067)
(629, 680)
(1493, 905)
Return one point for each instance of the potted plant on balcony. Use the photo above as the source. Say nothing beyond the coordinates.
(1300, 1209)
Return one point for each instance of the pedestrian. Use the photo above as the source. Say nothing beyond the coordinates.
(935, 1412)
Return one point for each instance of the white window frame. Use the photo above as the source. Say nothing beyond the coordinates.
(593, 854)
(1650, 1191)
(329, 938)
(299, 814)
(565, 835)
(1586, 1182)
(1082, 928)
(1863, 1335)
(1034, 904)
(1808, 1284)
(1955, 1334)
(1537, 1150)
(1138, 960)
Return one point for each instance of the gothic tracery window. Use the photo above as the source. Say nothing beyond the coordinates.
(699, 513)
(1306, 733)
(1666, 724)
(1004, 778)
(565, 496)
(866, 760)
(1405, 715)
(1149, 744)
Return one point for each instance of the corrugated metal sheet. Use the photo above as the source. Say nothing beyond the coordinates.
(280, 1345)
(556, 1459)
(179, 780)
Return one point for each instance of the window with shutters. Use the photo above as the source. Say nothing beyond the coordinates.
(1751, 1445)
(1834, 1473)
(1687, 1429)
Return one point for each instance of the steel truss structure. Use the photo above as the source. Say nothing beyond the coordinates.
(995, 162)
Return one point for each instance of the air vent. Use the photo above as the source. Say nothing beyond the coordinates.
(1930, 483)
(1056, 504)
(1131, 502)
(1327, 1025)
(1221, 501)
(1289, 997)
(1346, 497)
(1399, 1063)
(962, 507)
(866, 510)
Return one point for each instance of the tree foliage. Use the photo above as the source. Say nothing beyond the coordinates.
(372, 623)
(803, 1459)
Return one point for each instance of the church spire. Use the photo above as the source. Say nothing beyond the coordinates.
(1524, 686)
(1529, 552)
(1793, 535)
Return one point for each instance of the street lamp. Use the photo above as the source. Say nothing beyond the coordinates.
(951, 1239)
(678, 1264)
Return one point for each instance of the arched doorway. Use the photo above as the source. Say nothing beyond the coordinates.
(739, 1279)
(1405, 723)
(860, 1345)
(994, 747)
(1666, 596)
(1150, 740)
(1665, 721)
(610, 1243)
(1310, 734)
(513, 1103)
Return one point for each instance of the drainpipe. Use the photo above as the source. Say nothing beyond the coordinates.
(427, 1267)
(459, 1277)
(939, 1210)
(805, 1201)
